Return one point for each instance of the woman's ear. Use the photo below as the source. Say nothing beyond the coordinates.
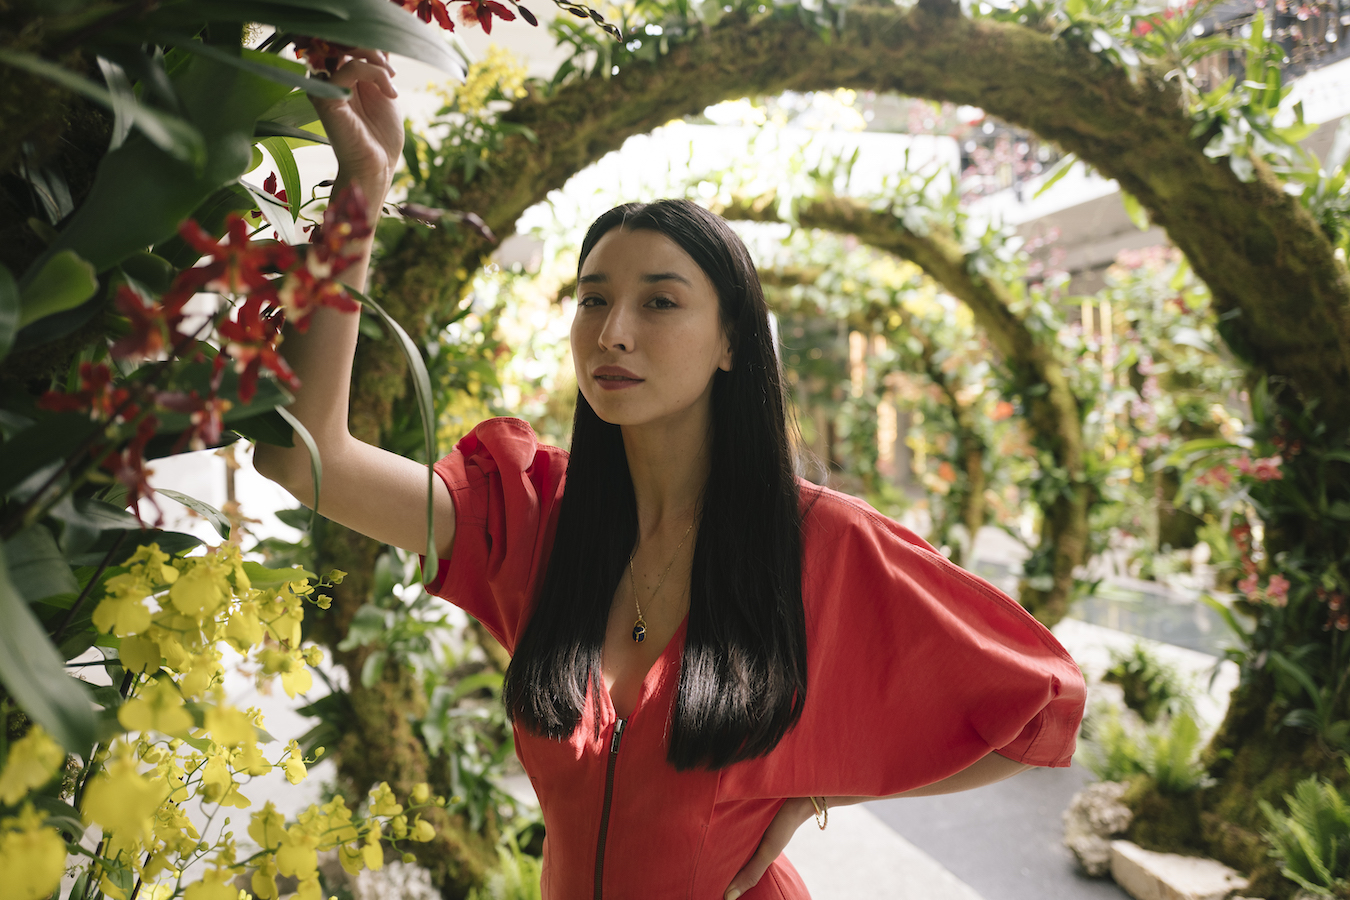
(725, 362)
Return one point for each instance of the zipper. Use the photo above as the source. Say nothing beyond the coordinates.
(604, 814)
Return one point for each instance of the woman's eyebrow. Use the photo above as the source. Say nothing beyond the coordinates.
(602, 278)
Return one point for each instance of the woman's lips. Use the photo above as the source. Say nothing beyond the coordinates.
(613, 378)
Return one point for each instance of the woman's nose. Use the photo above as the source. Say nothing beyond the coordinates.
(616, 334)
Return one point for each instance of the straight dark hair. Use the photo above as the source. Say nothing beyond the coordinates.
(743, 675)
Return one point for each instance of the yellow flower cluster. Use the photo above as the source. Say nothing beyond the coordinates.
(184, 741)
(499, 70)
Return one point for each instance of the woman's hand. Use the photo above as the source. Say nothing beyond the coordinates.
(366, 129)
(790, 816)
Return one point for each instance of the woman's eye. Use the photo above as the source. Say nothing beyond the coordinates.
(591, 300)
(662, 303)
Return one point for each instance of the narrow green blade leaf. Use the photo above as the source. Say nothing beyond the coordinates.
(1061, 169)
(259, 575)
(205, 510)
(294, 110)
(277, 215)
(124, 100)
(427, 406)
(34, 674)
(38, 569)
(281, 154)
(315, 462)
(64, 282)
(9, 310)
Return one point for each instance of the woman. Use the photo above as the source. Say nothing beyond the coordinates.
(706, 651)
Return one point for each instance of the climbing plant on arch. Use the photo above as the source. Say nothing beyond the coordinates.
(1073, 74)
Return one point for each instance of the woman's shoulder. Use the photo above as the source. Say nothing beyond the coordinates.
(830, 513)
(506, 442)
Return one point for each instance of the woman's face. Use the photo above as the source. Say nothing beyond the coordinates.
(648, 336)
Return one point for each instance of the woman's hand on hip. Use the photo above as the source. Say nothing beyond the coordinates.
(791, 815)
(366, 129)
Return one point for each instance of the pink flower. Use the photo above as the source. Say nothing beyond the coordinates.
(1250, 586)
(1267, 469)
(1219, 476)
(1277, 591)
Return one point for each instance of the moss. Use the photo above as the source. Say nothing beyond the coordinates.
(1163, 822)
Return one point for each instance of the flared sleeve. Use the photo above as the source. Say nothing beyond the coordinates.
(916, 668)
(506, 488)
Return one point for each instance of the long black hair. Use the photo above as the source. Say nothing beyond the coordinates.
(743, 674)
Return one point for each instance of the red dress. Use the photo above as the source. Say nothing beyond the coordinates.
(915, 669)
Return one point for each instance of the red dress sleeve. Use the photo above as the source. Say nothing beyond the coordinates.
(506, 488)
(916, 668)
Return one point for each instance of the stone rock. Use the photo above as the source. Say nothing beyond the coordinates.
(1094, 815)
(1146, 875)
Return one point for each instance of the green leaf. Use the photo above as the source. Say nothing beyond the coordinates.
(315, 462)
(1061, 169)
(9, 310)
(210, 215)
(1135, 210)
(268, 428)
(38, 569)
(124, 100)
(427, 406)
(171, 134)
(266, 65)
(64, 282)
(259, 574)
(294, 137)
(205, 510)
(376, 24)
(290, 174)
(35, 676)
(276, 214)
(141, 194)
(86, 512)
(38, 445)
(1340, 510)
(294, 110)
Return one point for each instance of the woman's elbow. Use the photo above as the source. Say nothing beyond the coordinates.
(281, 465)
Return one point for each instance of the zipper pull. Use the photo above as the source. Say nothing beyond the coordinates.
(618, 736)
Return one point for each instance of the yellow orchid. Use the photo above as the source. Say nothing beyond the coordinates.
(33, 760)
(297, 854)
(382, 802)
(121, 800)
(267, 827)
(230, 727)
(422, 831)
(32, 856)
(295, 764)
(158, 707)
(122, 614)
(215, 885)
(139, 654)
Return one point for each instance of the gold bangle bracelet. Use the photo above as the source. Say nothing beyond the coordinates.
(822, 812)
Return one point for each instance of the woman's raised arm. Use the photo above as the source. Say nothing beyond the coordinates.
(366, 488)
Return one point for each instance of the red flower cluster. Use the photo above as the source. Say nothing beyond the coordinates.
(325, 56)
(270, 187)
(96, 396)
(105, 403)
(1337, 617)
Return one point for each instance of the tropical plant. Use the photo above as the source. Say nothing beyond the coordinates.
(1166, 751)
(1312, 841)
(1151, 688)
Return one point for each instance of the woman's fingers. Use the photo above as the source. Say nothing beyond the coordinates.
(753, 871)
(357, 70)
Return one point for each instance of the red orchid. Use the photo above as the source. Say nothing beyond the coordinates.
(480, 12)
(270, 187)
(337, 241)
(128, 466)
(205, 413)
(154, 326)
(302, 292)
(320, 55)
(426, 10)
(252, 339)
(236, 263)
(96, 395)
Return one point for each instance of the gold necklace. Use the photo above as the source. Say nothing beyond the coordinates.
(640, 626)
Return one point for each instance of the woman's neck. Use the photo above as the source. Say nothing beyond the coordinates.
(669, 463)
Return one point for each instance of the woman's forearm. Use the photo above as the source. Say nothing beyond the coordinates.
(988, 769)
(322, 359)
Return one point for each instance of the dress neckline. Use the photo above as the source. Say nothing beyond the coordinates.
(651, 680)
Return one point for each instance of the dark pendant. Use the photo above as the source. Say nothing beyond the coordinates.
(639, 631)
